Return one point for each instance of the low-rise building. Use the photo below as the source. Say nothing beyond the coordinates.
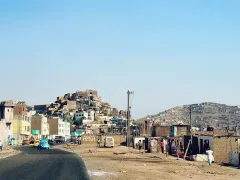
(81, 114)
(21, 123)
(39, 122)
(58, 127)
(6, 120)
(21, 128)
(87, 115)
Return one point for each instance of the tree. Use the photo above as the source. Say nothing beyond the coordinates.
(78, 121)
(67, 118)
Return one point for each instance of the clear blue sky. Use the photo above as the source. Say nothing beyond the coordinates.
(169, 52)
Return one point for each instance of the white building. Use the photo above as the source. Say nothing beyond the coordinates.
(67, 130)
(58, 127)
(81, 114)
(6, 121)
(91, 114)
(88, 115)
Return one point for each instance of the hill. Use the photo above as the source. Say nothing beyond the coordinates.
(216, 115)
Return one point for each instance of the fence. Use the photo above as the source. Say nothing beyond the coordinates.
(223, 147)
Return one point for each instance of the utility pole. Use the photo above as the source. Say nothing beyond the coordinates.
(190, 113)
(228, 122)
(128, 117)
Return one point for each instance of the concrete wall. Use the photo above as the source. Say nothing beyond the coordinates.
(53, 124)
(234, 158)
(20, 109)
(92, 139)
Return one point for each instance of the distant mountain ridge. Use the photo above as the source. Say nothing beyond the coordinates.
(213, 114)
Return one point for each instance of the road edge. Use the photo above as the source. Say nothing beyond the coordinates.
(11, 153)
(72, 151)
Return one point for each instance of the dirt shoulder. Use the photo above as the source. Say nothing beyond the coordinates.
(7, 152)
(127, 163)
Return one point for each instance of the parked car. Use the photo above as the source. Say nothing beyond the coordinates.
(44, 145)
(36, 143)
(25, 142)
(74, 140)
(108, 141)
(59, 139)
(32, 140)
(51, 142)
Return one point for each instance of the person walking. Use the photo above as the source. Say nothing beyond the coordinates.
(167, 148)
(79, 140)
(181, 147)
(98, 142)
(1, 145)
(140, 145)
(162, 145)
(209, 153)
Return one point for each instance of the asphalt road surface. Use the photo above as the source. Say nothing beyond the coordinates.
(34, 164)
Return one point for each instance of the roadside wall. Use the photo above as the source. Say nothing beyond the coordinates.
(222, 147)
(92, 139)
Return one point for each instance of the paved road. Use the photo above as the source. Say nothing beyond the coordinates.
(34, 164)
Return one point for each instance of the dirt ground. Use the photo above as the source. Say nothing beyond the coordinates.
(126, 163)
(6, 152)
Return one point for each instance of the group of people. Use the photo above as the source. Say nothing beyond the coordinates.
(177, 147)
(171, 146)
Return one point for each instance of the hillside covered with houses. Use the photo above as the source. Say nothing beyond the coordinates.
(82, 112)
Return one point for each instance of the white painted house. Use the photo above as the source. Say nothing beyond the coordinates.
(88, 115)
(58, 127)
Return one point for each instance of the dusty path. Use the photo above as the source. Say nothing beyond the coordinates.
(103, 164)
